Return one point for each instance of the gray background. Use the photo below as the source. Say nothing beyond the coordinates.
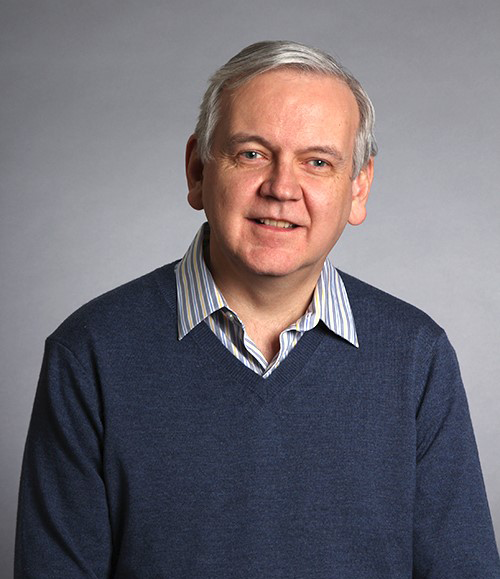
(98, 98)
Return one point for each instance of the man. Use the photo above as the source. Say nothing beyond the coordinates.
(249, 411)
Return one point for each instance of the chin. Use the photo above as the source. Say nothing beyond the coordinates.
(272, 267)
(272, 272)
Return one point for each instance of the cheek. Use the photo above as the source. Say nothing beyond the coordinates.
(221, 207)
(233, 194)
(331, 215)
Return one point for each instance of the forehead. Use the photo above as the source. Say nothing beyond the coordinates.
(293, 105)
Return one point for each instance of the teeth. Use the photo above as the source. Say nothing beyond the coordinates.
(283, 224)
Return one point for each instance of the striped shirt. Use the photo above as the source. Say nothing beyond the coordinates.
(199, 299)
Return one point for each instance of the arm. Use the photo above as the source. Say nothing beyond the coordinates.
(63, 528)
(453, 532)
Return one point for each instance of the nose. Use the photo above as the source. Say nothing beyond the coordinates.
(282, 183)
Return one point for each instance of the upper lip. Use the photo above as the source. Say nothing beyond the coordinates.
(260, 217)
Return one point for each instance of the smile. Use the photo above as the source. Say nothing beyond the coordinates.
(274, 223)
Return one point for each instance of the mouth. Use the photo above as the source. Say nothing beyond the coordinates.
(276, 223)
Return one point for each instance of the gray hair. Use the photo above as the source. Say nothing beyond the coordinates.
(269, 55)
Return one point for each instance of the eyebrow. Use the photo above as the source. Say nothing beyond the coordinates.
(331, 151)
(242, 138)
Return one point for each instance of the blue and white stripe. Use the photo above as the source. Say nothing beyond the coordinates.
(199, 299)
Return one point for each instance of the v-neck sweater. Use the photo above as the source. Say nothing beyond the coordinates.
(200, 300)
(149, 457)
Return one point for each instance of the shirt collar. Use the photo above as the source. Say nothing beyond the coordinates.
(331, 301)
(198, 297)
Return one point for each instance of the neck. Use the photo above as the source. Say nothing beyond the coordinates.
(266, 304)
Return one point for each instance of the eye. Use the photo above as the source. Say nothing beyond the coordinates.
(319, 163)
(250, 155)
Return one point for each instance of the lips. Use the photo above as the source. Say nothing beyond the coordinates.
(276, 223)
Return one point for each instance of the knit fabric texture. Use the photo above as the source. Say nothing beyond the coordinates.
(149, 457)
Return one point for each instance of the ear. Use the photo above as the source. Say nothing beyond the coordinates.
(194, 174)
(360, 191)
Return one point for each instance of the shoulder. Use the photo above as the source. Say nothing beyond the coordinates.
(123, 313)
(378, 313)
(398, 339)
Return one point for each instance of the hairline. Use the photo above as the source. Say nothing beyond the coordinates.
(310, 61)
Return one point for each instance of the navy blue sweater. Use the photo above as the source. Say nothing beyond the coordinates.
(149, 457)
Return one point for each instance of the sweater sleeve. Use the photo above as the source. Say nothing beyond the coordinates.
(453, 531)
(63, 527)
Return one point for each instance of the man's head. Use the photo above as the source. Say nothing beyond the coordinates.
(281, 161)
(270, 55)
